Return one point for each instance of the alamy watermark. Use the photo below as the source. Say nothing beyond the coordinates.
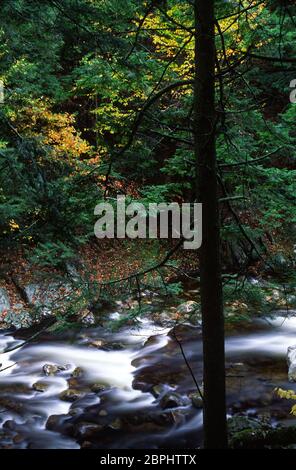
(135, 220)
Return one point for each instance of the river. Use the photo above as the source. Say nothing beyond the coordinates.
(132, 389)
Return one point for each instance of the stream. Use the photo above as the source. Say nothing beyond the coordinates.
(132, 389)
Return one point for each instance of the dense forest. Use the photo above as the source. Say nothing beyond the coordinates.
(127, 342)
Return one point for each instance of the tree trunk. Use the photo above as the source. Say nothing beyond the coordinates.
(215, 429)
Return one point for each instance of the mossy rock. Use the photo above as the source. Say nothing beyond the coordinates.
(248, 433)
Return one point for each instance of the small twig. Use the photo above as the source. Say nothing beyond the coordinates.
(187, 363)
(8, 367)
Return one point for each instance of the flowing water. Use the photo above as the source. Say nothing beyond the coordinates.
(124, 413)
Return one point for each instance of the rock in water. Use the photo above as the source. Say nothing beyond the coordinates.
(52, 369)
(98, 387)
(40, 386)
(173, 400)
(291, 359)
(77, 372)
(196, 399)
(71, 395)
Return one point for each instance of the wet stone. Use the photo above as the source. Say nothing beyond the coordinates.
(115, 425)
(97, 343)
(88, 430)
(71, 395)
(98, 387)
(173, 400)
(52, 369)
(9, 424)
(72, 382)
(61, 424)
(158, 390)
(77, 372)
(196, 399)
(40, 386)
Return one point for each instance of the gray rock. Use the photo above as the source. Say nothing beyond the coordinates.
(45, 296)
(188, 307)
(158, 390)
(96, 343)
(291, 359)
(30, 292)
(173, 400)
(77, 372)
(71, 394)
(165, 318)
(98, 387)
(18, 319)
(196, 399)
(52, 369)
(4, 300)
(72, 271)
(40, 386)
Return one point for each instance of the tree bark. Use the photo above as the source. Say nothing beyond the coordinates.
(215, 428)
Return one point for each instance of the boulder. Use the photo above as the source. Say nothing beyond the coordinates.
(187, 307)
(166, 317)
(190, 312)
(185, 332)
(18, 320)
(4, 300)
(45, 296)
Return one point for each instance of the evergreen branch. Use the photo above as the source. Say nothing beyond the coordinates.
(250, 162)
